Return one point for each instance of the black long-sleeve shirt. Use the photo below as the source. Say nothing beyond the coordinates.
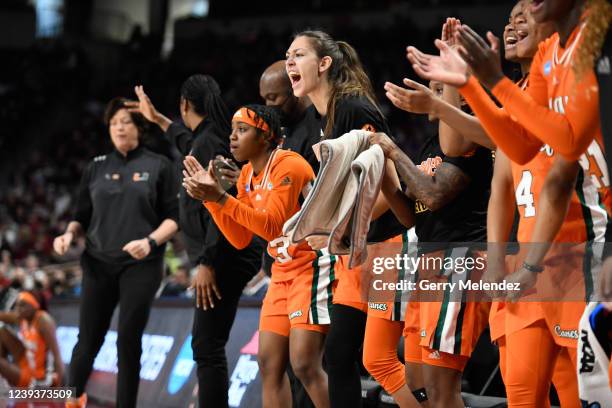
(124, 198)
(205, 243)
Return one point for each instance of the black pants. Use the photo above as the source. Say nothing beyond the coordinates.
(104, 285)
(211, 330)
(343, 356)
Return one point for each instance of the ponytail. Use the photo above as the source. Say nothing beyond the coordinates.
(204, 94)
(346, 74)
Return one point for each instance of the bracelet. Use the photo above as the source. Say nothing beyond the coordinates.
(221, 198)
(533, 268)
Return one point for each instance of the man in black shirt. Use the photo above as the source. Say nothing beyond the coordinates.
(223, 271)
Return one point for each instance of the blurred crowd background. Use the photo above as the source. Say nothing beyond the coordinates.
(62, 60)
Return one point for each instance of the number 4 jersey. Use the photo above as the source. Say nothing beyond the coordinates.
(586, 218)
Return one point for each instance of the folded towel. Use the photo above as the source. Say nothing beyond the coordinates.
(341, 201)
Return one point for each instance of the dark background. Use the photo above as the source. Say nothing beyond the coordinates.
(62, 60)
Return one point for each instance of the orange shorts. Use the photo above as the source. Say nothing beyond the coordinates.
(414, 352)
(447, 332)
(302, 302)
(355, 285)
(561, 318)
(349, 292)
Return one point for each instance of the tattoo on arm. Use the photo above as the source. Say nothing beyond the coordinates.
(434, 191)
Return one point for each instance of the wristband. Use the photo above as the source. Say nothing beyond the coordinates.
(152, 243)
(533, 268)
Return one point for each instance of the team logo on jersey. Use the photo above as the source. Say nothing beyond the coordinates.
(547, 67)
(144, 176)
(567, 334)
(293, 315)
(587, 356)
(286, 181)
(378, 306)
(419, 207)
(423, 333)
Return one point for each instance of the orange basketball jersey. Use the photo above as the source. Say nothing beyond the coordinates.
(560, 112)
(35, 347)
(263, 203)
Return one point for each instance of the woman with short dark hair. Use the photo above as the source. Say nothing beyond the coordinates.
(127, 209)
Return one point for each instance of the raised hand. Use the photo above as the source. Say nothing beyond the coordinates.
(417, 99)
(229, 173)
(448, 31)
(145, 107)
(482, 58)
(199, 183)
(448, 68)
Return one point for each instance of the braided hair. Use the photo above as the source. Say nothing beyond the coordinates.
(270, 115)
(204, 94)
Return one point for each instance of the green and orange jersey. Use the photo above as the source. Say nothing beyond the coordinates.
(585, 221)
(555, 111)
(550, 116)
(262, 205)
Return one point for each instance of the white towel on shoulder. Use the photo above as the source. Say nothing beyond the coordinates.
(341, 201)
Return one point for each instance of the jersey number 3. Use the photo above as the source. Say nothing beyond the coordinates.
(281, 244)
(524, 196)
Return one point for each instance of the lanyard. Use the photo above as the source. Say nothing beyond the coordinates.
(265, 177)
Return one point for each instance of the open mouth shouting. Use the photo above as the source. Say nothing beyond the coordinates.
(295, 78)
